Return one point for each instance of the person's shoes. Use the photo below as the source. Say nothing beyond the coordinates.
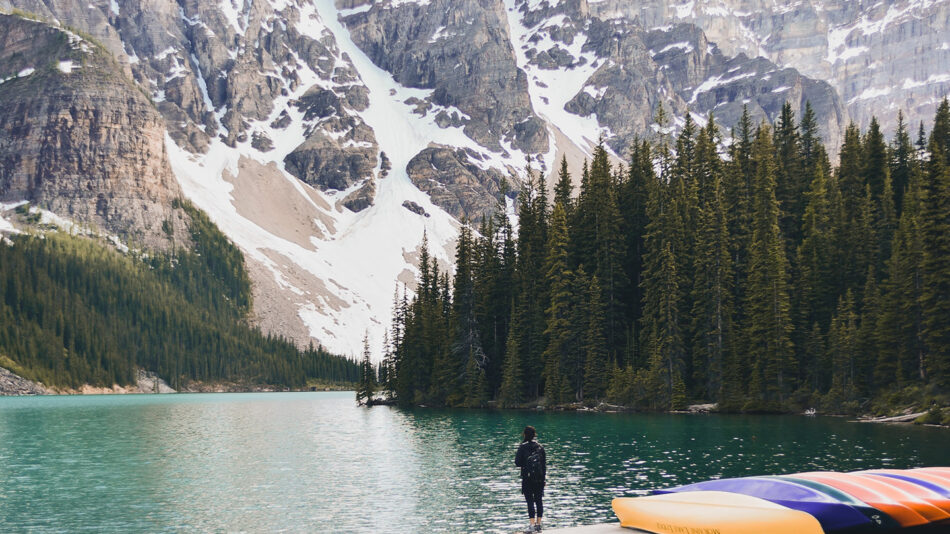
(537, 528)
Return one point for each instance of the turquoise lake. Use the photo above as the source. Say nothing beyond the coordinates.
(315, 462)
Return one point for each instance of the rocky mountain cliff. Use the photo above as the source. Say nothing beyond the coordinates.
(326, 137)
(879, 56)
(78, 138)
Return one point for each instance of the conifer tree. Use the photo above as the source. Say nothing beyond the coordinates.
(713, 277)
(564, 189)
(902, 319)
(512, 389)
(876, 169)
(738, 180)
(868, 337)
(902, 158)
(791, 180)
(768, 325)
(935, 227)
(634, 196)
(367, 385)
(595, 345)
(662, 328)
(842, 345)
(558, 331)
(531, 282)
(852, 236)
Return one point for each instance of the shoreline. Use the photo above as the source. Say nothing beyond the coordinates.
(147, 383)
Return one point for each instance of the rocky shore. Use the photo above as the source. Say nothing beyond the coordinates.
(13, 384)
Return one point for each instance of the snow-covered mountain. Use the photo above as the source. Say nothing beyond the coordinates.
(880, 56)
(326, 137)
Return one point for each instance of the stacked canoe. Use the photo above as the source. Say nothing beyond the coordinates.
(912, 500)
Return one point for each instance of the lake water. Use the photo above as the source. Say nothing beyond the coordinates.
(314, 462)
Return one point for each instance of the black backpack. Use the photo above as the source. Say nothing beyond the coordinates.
(533, 469)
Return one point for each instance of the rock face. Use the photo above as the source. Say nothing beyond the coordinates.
(461, 51)
(12, 384)
(340, 150)
(879, 56)
(456, 184)
(631, 70)
(80, 139)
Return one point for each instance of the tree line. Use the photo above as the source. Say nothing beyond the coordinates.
(745, 270)
(74, 312)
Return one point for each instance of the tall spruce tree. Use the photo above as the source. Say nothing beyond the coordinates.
(512, 392)
(935, 226)
(367, 386)
(902, 158)
(531, 281)
(634, 196)
(713, 277)
(768, 325)
(595, 345)
(558, 332)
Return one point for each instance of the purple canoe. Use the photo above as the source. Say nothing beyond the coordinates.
(833, 514)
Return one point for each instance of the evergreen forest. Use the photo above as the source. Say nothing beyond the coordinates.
(74, 311)
(746, 269)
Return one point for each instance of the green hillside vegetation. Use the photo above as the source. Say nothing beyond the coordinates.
(750, 273)
(74, 311)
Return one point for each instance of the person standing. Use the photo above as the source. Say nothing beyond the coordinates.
(532, 460)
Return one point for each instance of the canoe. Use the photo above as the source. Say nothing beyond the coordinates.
(905, 509)
(918, 490)
(711, 511)
(877, 517)
(834, 511)
(940, 472)
(934, 483)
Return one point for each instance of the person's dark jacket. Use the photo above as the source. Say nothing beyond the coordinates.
(521, 458)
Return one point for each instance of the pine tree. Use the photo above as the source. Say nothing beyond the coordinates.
(634, 196)
(902, 158)
(564, 189)
(367, 385)
(876, 169)
(855, 254)
(868, 337)
(512, 389)
(842, 345)
(738, 179)
(662, 328)
(791, 179)
(595, 366)
(935, 227)
(768, 324)
(815, 285)
(531, 282)
(902, 319)
(713, 276)
(558, 331)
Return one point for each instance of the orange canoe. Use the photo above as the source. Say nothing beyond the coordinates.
(711, 511)
(941, 503)
(904, 508)
(940, 472)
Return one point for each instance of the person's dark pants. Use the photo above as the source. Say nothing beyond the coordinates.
(533, 496)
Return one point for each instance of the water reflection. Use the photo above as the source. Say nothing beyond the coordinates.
(315, 462)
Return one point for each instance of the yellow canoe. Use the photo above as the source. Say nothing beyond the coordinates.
(711, 512)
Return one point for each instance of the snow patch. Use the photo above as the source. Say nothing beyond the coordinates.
(716, 81)
(65, 67)
(551, 90)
